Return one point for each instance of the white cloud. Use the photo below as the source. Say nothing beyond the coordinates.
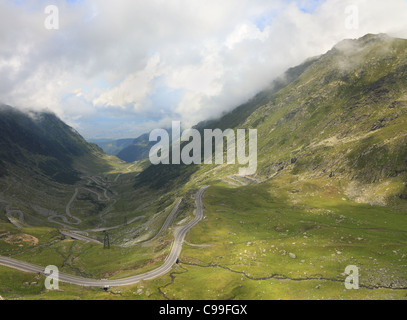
(133, 89)
(112, 59)
(247, 31)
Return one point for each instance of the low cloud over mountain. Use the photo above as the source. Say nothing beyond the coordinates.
(120, 70)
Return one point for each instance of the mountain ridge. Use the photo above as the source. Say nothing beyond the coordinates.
(41, 142)
(343, 115)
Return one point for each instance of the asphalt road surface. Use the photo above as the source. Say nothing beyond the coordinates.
(79, 237)
(179, 236)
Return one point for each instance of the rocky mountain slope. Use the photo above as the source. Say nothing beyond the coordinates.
(342, 115)
(42, 144)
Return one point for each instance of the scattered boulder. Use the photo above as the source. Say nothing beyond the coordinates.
(378, 125)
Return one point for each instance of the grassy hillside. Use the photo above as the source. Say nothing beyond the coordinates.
(329, 192)
(341, 116)
(42, 143)
(137, 150)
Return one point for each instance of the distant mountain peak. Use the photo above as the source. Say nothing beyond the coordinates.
(40, 142)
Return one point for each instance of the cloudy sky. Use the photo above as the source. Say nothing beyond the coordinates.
(120, 68)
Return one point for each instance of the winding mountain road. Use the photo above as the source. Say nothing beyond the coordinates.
(77, 236)
(127, 171)
(168, 220)
(179, 236)
(9, 214)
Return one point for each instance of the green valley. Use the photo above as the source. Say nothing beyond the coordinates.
(330, 192)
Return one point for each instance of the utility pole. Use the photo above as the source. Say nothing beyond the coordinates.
(106, 241)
